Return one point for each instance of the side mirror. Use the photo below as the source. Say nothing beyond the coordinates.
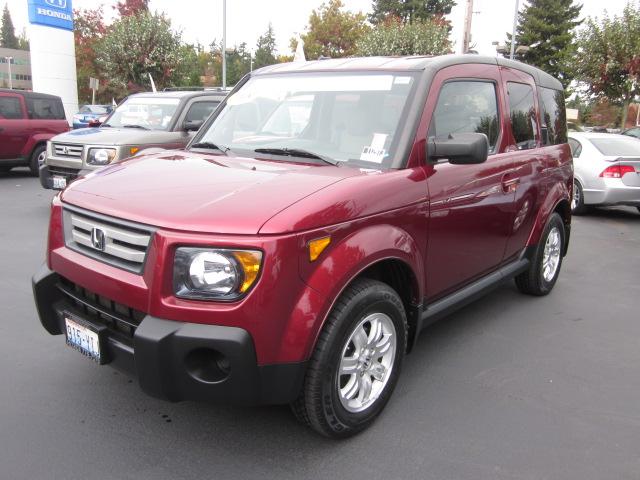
(192, 125)
(459, 148)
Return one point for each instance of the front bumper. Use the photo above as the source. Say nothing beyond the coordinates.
(47, 173)
(171, 360)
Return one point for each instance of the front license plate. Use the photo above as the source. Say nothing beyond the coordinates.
(83, 339)
(59, 182)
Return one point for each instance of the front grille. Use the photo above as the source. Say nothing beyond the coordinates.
(67, 150)
(71, 173)
(118, 318)
(116, 242)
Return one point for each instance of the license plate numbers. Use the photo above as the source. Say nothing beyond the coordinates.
(83, 339)
(59, 182)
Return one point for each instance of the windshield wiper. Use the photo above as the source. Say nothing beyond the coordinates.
(211, 146)
(135, 126)
(296, 152)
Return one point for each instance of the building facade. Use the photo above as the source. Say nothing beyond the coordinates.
(20, 69)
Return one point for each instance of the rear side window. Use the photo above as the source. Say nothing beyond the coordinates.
(554, 118)
(10, 108)
(467, 107)
(45, 109)
(576, 148)
(523, 115)
(201, 110)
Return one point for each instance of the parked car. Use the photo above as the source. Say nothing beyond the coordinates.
(607, 170)
(144, 121)
(27, 121)
(323, 216)
(88, 115)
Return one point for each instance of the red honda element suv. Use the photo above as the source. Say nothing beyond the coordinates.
(322, 217)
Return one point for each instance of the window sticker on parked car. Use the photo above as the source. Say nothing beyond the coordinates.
(374, 152)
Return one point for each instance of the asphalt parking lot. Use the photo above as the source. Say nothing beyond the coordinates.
(511, 387)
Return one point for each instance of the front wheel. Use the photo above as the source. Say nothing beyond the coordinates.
(543, 272)
(38, 157)
(356, 362)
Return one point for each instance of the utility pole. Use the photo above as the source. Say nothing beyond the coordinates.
(513, 30)
(466, 36)
(9, 60)
(224, 44)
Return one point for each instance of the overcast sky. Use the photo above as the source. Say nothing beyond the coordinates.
(201, 20)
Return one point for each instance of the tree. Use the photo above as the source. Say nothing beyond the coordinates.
(548, 27)
(136, 46)
(608, 58)
(266, 49)
(129, 8)
(23, 40)
(424, 37)
(409, 11)
(89, 28)
(332, 31)
(8, 37)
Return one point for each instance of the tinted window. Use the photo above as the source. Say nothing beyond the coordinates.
(633, 132)
(466, 107)
(554, 118)
(10, 108)
(45, 109)
(576, 148)
(201, 110)
(523, 114)
(617, 146)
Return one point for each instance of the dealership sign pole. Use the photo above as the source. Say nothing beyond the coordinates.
(53, 57)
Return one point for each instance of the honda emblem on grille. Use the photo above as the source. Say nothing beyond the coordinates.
(65, 150)
(97, 239)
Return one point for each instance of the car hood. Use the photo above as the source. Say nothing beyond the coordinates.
(200, 193)
(115, 136)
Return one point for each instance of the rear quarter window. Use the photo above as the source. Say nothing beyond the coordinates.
(10, 108)
(45, 109)
(553, 115)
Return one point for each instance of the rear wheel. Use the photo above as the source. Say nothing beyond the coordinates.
(356, 362)
(577, 200)
(38, 157)
(547, 260)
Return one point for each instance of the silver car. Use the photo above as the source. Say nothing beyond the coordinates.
(606, 170)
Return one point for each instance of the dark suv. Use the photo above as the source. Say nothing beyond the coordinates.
(143, 122)
(27, 121)
(324, 215)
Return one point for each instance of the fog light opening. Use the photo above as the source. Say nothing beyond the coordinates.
(207, 365)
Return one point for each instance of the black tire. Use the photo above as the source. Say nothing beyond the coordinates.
(319, 404)
(34, 165)
(578, 206)
(533, 281)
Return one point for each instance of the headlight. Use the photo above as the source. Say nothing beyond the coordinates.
(101, 156)
(214, 273)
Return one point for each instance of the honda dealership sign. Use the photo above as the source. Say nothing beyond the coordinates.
(53, 56)
(52, 13)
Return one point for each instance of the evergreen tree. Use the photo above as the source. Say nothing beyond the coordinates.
(266, 49)
(8, 37)
(548, 27)
(409, 11)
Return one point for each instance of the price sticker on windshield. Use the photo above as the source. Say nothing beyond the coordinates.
(375, 152)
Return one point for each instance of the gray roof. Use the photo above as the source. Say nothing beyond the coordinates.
(417, 63)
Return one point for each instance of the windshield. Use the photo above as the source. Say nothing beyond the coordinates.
(617, 146)
(353, 119)
(144, 112)
(96, 109)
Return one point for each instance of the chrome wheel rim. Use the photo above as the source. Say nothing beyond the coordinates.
(551, 257)
(575, 198)
(366, 362)
(41, 158)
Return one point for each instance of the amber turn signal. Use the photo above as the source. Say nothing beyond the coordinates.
(134, 150)
(250, 262)
(317, 246)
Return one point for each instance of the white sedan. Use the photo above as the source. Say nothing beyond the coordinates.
(606, 170)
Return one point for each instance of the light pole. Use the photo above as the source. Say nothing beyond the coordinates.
(9, 59)
(513, 31)
(224, 44)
